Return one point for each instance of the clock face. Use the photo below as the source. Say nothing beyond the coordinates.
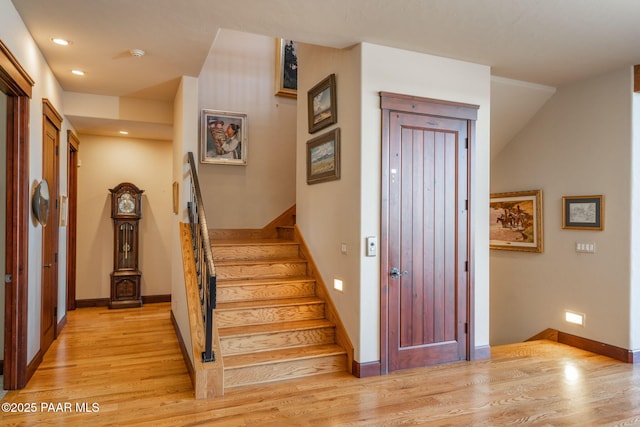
(126, 204)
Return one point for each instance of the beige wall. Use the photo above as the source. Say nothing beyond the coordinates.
(348, 210)
(238, 76)
(578, 144)
(105, 163)
(185, 139)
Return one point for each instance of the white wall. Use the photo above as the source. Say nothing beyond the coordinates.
(106, 162)
(579, 143)
(348, 210)
(238, 76)
(18, 40)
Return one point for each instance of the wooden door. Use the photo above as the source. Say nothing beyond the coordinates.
(425, 238)
(72, 221)
(49, 295)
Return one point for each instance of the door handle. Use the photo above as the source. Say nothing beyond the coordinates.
(395, 273)
(46, 266)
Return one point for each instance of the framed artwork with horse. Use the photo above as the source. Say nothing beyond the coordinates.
(516, 221)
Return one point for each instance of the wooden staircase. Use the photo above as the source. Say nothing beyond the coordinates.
(271, 321)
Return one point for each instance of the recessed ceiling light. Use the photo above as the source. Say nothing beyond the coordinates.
(124, 132)
(78, 72)
(61, 42)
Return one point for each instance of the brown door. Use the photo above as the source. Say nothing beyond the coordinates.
(51, 138)
(72, 189)
(425, 239)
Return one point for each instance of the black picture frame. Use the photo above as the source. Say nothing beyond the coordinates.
(322, 105)
(286, 68)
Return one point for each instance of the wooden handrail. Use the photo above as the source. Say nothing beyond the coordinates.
(205, 267)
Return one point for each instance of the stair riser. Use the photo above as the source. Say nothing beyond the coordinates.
(261, 315)
(266, 270)
(246, 252)
(275, 341)
(284, 370)
(262, 292)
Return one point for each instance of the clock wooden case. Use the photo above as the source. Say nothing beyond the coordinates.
(126, 212)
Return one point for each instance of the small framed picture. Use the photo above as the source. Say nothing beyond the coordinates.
(322, 105)
(516, 221)
(223, 138)
(583, 212)
(323, 157)
(286, 68)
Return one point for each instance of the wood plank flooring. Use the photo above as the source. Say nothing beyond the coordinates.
(126, 366)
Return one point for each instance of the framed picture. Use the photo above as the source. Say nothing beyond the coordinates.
(286, 68)
(223, 138)
(176, 197)
(516, 221)
(582, 212)
(323, 157)
(322, 105)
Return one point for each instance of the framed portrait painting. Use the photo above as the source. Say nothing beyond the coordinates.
(286, 68)
(223, 137)
(583, 212)
(516, 221)
(323, 157)
(322, 106)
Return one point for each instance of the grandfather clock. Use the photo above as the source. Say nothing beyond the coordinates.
(126, 211)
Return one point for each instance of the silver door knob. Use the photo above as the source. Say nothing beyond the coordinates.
(395, 273)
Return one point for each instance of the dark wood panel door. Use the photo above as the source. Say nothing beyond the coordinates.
(426, 240)
(49, 297)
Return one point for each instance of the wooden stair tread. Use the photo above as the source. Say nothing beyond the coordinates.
(281, 356)
(251, 242)
(263, 281)
(259, 261)
(222, 306)
(247, 330)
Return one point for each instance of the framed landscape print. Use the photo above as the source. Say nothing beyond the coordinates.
(286, 68)
(223, 138)
(323, 157)
(516, 221)
(582, 212)
(322, 105)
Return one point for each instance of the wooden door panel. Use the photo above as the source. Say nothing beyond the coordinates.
(52, 122)
(427, 239)
(49, 241)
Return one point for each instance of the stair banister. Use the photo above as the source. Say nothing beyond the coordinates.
(205, 267)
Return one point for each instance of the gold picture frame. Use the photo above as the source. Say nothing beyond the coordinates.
(515, 220)
(583, 212)
(286, 83)
(176, 197)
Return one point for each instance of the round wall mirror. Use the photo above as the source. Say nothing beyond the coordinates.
(40, 202)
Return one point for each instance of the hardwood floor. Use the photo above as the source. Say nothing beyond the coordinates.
(124, 367)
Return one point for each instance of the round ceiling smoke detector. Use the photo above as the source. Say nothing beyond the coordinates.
(137, 53)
